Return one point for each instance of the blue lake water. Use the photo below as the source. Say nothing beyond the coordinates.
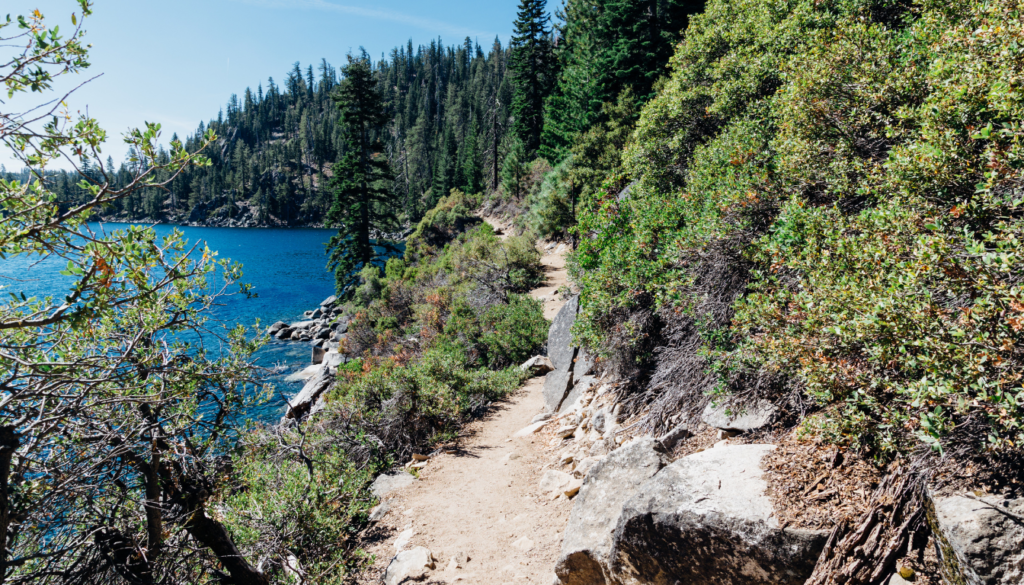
(287, 268)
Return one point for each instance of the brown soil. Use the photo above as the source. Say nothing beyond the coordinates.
(483, 500)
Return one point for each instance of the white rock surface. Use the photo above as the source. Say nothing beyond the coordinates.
(412, 565)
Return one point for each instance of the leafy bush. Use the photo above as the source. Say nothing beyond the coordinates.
(452, 215)
(850, 169)
(515, 332)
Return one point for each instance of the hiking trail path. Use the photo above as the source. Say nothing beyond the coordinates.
(483, 501)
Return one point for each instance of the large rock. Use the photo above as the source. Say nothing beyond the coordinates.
(333, 360)
(410, 565)
(273, 329)
(302, 325)
(553, 481)
(317, 356)
(305, 375)
(578, 389)
(284, 333)
(330, 301)
(584, 364)
(560, 348)
(587, 546)
(389, 482)
(707, 519)
(740, 419)
(537, 366)
(556, 387)
(303, 401)
(982, 542)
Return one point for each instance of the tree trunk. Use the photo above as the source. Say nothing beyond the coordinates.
(154, 513)
(865, 552)
(215, 537)
(8, 445)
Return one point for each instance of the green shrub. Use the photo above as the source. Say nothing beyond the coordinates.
(515, 332)
(858, 163)
(451, 216)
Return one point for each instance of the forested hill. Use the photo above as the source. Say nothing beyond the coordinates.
(277, 142)
(458, 117)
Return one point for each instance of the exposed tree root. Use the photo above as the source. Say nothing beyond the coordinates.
(865, 552)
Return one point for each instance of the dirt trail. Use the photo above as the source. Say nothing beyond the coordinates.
(553, 261)
(484, 501)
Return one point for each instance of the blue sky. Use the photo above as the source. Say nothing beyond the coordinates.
(177, 62)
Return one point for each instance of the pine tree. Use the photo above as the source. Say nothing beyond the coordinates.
(531, 63)
(363, 200)
(608, 46)
(514, 169)
(472, 171)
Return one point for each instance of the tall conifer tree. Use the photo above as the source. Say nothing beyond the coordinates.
(363, 200)
(531, 63)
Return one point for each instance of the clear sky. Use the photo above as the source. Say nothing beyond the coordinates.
(177, 62)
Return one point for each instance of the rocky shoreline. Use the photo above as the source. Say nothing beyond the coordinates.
(325, 329)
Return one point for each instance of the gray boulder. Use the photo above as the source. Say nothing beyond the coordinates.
(584, 365)
(334, 360)
(341, 325)
(318, 355)
(672, 438)
(560, 348)
(303, 401)
(600, 421)
(579, 389)
(556, 387)
(739, 419)
(537, 366)
(624, 194)
(389, 482)
(587, 546)
(707, 519)
(409, 565)
(303, 325)
(284, 333)
(982, 542)
(273, 329)
(329, 301)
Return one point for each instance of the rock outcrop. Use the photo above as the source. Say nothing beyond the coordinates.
(739, 419)
(560, 348)
(587, 546)
(562, 355)
(981, 540)
(300, 405)
(707, 519)
(580, 388)
(556, 386)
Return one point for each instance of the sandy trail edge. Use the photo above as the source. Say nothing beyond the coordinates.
(484, 501)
